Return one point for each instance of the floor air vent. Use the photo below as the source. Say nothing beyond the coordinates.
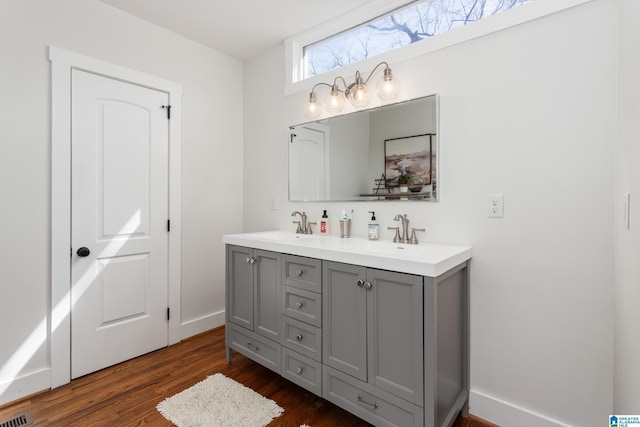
(18, 421)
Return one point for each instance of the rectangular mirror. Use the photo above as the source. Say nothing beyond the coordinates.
(362, 155)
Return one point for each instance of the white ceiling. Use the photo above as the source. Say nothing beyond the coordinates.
(240, 28)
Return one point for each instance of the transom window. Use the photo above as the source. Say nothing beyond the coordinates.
(418, 21)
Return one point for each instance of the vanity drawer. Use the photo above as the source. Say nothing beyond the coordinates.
(302, 337)
(303, 273)
(373, 405)
(257, 348)
(301, 370)
(302, 305)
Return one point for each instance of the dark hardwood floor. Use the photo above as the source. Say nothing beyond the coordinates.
(127, 394)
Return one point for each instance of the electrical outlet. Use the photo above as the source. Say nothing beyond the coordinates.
(495, 206)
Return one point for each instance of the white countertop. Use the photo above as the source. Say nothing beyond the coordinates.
(424, 259)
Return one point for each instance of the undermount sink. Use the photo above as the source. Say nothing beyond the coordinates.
(279, 236)
(423, 251)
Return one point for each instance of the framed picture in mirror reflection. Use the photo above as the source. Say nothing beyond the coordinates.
(408, 156)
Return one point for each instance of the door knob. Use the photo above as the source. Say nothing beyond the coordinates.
(83, 252)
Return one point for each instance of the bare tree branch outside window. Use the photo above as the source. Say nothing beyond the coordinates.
(412, 24)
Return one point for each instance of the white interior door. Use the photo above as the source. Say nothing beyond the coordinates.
(119, 288)
(307, 164)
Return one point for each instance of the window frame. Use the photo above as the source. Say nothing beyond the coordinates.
(294, 46)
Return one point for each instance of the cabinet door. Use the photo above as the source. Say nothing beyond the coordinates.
(267, 294)
(240, 292)
(344, 319)
(395, 343)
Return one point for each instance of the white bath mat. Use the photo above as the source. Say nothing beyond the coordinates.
(219, 401)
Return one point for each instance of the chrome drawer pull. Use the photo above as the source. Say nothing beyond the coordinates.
(299, 337)
(252, 347)
(299, 273)
(371, 405)
(299, 304)
(299, 370)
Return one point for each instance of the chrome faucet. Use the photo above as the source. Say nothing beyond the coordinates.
(404, 237)
(304, 227)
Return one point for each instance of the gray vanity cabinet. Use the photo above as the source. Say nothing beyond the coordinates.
(373, 333)
(390, 347)
(253, 304)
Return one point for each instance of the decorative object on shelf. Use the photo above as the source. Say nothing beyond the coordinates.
(407, 157)
(357, 93)
(403, 182)
(381, 186)
(416, 182)
(415, 185)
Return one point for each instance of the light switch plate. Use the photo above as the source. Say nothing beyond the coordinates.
(626, 210)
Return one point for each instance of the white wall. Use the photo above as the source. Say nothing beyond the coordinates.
(211, 154)
(529, 112)
(627, 367)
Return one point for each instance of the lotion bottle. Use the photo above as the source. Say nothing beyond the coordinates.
(324, 224)
(374, 227)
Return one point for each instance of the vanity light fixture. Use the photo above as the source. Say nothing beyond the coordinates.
(357, 93)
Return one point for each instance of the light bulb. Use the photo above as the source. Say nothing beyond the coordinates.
(311, 107)
(334, 101)
(388, 87)
(359, 96)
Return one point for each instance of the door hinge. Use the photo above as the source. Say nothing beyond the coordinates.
(168, 313)
(168, 108)
(168, 225)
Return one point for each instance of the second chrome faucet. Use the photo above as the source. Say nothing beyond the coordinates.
(404, 237)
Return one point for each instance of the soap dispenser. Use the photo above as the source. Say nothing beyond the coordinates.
(324, 224)
(374, 227)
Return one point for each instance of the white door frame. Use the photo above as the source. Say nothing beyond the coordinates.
(62, 62)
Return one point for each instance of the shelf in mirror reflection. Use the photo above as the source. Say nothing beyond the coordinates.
(425, 195)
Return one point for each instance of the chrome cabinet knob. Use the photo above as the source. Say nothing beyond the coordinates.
(299, 273)
(360, 283)
(299, 370)
(367, 285)
(299, 304)
(299, 337)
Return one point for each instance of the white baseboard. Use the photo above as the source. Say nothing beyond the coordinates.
(201, 324)
(25, 385)
(507, 414)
